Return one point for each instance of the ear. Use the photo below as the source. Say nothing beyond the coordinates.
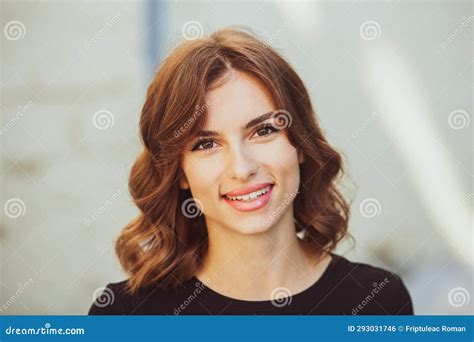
(183, 183)
(300, 156)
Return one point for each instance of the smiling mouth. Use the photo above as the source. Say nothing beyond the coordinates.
(250, 196)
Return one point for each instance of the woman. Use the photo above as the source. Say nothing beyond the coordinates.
(236, 187)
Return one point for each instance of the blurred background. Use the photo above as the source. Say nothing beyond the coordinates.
(391, 82)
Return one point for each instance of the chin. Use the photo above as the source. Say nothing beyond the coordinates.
(252, 229)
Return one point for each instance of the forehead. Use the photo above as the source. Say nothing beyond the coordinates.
(239, 98)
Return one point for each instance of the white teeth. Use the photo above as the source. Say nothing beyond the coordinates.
(251, 195)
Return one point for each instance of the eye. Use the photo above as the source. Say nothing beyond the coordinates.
(203, 144)
(265, 130)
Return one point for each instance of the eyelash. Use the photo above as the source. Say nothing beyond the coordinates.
(206, 140)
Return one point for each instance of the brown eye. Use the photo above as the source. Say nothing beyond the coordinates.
(203, 145)
(265, 130)
(207, 144)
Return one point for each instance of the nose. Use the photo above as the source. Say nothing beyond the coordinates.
(241, 163)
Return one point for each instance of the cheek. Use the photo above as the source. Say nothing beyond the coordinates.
(280, 156)
(282, 160)
(202, 175)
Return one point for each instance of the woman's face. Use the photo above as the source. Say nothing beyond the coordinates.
(243, 173)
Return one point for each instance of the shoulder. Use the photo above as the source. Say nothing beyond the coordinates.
(114, 299)
(372, 288)
(110, 300)
(365, 273)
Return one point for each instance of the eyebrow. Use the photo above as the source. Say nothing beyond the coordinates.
(248, 125)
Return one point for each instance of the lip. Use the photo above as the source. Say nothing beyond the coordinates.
(247, 190)
(254, 204)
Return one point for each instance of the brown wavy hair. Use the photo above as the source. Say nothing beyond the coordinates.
(162, 247)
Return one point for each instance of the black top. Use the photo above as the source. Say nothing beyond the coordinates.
(345, 288)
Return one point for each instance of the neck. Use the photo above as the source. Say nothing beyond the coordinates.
(250, 267)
